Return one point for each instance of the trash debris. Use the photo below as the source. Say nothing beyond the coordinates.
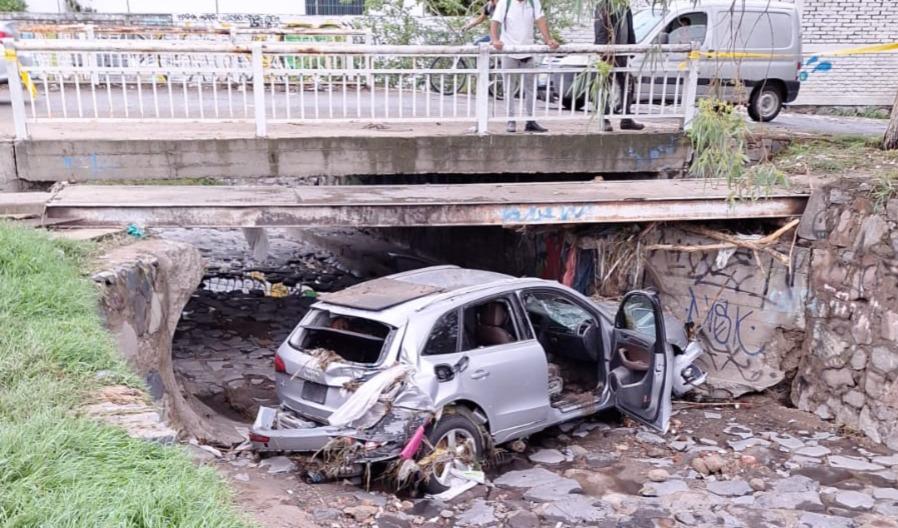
(136, 231)
(366, 396)
(462, 482)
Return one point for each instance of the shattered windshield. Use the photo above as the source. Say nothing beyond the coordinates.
(558, 310)
(353, 339)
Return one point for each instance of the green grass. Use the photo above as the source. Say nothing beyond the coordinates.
(885, 187)
(836, 155)
(58, 469)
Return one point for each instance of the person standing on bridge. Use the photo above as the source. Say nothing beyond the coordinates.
(516, 18)
(613, 24)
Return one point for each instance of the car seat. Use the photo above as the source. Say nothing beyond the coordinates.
(491, 321)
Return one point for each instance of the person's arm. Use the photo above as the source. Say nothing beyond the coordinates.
(474, 22)
(543, 27)
(494, 35)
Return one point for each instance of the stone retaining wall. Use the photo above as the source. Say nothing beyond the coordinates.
(849, 366)
(145, 285)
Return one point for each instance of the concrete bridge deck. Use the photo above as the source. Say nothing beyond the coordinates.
(411, 205)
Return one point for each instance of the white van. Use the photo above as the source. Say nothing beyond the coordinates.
(768, 33)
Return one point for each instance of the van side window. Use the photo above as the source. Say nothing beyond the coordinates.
(685, 29)
(489, 323)
(753, 30)
(444, 336)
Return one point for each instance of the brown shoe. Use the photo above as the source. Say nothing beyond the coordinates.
(629, 124)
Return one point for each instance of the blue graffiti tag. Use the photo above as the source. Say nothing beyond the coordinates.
(724, 326)
(821, 66)
(565, 213)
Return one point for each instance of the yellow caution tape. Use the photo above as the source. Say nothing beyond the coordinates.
(861, 50)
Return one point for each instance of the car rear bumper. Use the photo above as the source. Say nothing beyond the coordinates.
(275, 430)
(792, 88)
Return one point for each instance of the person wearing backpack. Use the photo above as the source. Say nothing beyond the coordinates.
(516, 19)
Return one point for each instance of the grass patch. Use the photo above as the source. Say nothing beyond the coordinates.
(837, 155)
(56, 468)
(885, 187)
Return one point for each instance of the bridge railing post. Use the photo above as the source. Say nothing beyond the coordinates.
(90, 34)
(259, 90)
(16, 95)
(691, 91)
(481, 103)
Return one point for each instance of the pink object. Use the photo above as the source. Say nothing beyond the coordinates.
(413, 444)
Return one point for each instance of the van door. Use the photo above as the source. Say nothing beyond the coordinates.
(641, 365)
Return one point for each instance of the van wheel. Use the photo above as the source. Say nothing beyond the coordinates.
(765, 103)
(458, 445)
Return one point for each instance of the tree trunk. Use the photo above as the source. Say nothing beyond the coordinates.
(890, 141)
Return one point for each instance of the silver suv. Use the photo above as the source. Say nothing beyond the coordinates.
(470, 358)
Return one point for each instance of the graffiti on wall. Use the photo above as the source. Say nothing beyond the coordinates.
(814, 65)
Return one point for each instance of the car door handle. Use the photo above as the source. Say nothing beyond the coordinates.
(479, 374)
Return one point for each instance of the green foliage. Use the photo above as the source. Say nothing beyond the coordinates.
(835, 155)
(718, 136)
(57, 468)
(12, 5)
(885, 187)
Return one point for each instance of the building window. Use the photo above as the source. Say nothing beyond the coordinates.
(335, 7)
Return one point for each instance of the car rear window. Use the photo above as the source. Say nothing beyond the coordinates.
(354, 339)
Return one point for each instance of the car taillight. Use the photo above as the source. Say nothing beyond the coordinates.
(4, 34)
(261, 439)
(279, 365)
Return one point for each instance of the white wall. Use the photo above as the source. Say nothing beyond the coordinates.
(268, 7)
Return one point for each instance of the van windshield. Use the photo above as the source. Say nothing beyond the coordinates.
(354, 339)
(645, 21)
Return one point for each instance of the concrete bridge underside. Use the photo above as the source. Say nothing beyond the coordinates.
(397, 206)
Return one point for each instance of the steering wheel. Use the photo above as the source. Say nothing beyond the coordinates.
(584, 328)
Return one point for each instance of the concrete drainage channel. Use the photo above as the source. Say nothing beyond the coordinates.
(757, 463)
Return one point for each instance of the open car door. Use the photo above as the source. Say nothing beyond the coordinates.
(641, 366)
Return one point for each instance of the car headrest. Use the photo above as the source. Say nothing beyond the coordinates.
(493, 314)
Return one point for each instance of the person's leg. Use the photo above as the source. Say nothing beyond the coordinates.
(626, 91)
(529, 96)
(511, 82)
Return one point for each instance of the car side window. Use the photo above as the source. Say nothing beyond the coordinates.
(490, 323)
(685, 29)
(639, 316)
(444, 336)
(546, 309)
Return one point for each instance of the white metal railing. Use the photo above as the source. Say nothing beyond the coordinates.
(261, 82)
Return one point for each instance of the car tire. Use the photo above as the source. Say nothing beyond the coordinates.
(765, 103)
(459, 424)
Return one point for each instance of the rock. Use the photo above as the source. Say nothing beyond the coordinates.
(854, 398)
(714, 463)
(707, 441)
(200, 455)
(838, 378)
(547, 456)
(891, 460)
(686, 518)
(787, 441)
(819, 520)
(743, 433)
(242, 477)
(522, 519)
(757, 484)
(680, 445)
(889, 509)
(658, 475)
(649, 438)
(447, 514)
(326, 514)
(361, 512)
(713, 415)
(729, 488)
(278, 464)
(578, 451)
(573, 510)
(852, 463)
(853, 500)
(526, 478)
(478, 514)
(885, 494)
(552, 491)
(796, 484)
(813, 451)
(518, 446)
(742, 445)
(593, 483)
(661, 489)
(806, 500)
(394, 520)
(884, 360)
(698, 464)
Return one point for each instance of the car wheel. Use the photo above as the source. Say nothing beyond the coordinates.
(765, 103)
(457, 446)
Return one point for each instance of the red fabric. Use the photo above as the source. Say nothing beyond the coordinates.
(552, 268)
(570, 267)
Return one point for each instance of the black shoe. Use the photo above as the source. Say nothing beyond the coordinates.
(606, 125)
(511, 127)
(533, 126)
(629, 124)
